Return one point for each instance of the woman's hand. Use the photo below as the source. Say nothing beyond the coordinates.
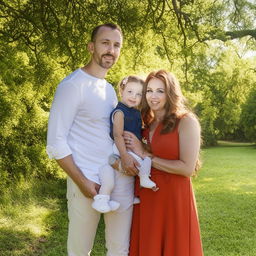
(133, 143)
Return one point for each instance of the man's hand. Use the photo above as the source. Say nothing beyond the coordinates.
(90, 188)
(87, 187)
(129, 164)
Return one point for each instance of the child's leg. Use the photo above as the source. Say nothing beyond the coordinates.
(115, 162)
(114, 159)
(144, 171)
(102, 201)
(107, 179)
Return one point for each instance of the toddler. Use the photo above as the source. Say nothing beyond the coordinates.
(125, 117)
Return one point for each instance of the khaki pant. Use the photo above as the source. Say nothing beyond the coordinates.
(83, 220)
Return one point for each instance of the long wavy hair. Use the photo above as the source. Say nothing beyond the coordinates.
(176, 105)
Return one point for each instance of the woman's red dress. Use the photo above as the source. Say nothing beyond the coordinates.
(165, 223)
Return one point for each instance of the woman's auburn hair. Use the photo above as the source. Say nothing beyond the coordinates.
(175, 107)
(176, 104)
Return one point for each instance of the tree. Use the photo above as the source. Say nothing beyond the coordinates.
(248, 117)
(43, 40)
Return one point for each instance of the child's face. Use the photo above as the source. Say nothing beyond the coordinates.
(132, 94)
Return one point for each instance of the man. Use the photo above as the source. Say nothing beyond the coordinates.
(78, 138)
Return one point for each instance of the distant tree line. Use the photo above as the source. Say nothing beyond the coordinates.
(203, 42)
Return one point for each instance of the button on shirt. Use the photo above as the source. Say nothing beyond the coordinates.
(79, 122)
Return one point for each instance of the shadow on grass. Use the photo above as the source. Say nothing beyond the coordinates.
(47, 200)
(21, 242)
(57, 223)
(53, 196)
(49, 195)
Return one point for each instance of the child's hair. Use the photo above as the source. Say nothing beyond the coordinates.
(128, 79)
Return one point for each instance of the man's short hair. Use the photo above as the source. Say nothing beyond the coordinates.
(109, 25)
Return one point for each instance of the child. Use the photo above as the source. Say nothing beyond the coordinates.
(125, 117)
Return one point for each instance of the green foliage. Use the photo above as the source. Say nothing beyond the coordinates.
(43, 41)
(24, 115)
(248, 117)
(224, 80)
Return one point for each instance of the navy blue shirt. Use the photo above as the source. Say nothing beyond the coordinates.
(132, 120)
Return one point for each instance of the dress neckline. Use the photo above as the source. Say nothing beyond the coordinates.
(156, 129)
(153, 133)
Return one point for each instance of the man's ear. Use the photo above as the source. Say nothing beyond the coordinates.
(90, 47)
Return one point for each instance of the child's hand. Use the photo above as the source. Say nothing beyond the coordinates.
(132, 143)
(129, 165)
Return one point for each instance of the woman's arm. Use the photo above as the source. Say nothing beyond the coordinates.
(189, 145)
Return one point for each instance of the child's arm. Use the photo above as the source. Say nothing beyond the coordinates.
(136, 146)
(128, 162)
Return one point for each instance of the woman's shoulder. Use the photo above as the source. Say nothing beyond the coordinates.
(189, 121)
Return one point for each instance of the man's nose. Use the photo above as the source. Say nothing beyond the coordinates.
(111, 48)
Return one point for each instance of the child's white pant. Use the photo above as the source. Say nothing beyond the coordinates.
(107, 174)
(83, 219)
(116, 152)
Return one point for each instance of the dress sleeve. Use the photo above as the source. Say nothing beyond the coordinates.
(62, 114)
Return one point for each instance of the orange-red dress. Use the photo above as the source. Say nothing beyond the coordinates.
(165, 223)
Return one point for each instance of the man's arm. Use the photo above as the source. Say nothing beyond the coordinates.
(87, 187)
(61, 118)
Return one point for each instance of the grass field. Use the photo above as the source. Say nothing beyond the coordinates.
(226, 196)
(33, 215)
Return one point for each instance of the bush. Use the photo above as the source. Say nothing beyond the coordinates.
(248, 117)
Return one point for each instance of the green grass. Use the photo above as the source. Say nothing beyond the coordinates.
(33, 215)
(226, 198)
(33, 219)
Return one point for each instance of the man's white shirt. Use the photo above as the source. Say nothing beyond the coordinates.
(79, 122)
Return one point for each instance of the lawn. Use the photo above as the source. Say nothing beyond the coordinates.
(33, 215)
(226, 197)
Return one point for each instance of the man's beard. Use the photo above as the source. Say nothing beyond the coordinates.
(106, 64)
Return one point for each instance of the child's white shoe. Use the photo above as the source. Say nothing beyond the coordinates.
(146, 182)
(144, 174)
(114, 205)
(101, 203)
(136, 200)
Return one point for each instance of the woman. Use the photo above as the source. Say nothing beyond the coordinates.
(165, 223)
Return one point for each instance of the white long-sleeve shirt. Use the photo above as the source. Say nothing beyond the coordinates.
(79, 122)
